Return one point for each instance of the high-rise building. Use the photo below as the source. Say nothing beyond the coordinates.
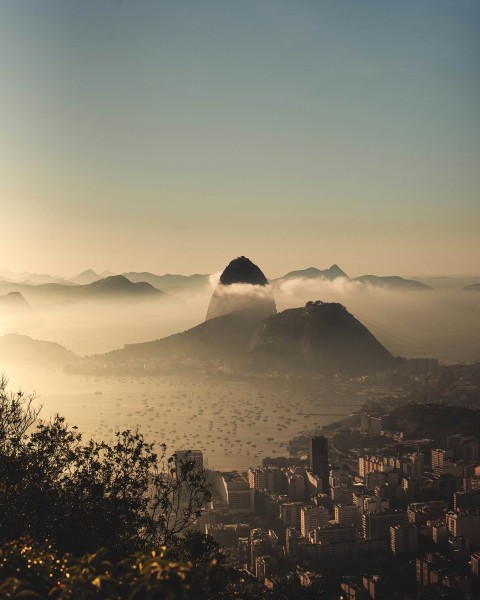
(319, 459)
(296, 486)
(465, 524)
(234, 491)
(403, 539)
(347, 515)
(311, 517)
(290, 514)
(376, 525)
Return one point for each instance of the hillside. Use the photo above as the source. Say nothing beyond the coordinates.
(220, 341)
(21, 348)
(14, 301)
(320, 337)
(419, 421)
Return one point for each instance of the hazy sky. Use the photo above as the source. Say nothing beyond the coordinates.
(176, 135)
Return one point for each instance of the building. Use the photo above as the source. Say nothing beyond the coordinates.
(319, 459)
(353, 591)
(313, 484)
(376, 525)
(235, 491)
(465, 524)
(439, 456)
(418, 513)
(439, 533)
(375, 586)
(290, 514)
(475, 564)
(312, 517)
(296, 486)
(268, 478)
(342, 495)
(414, 466)
(293, 541)
(403, 539)
(334, 534)
(265, 566)
(367, 503)
(466, 500)
(262, 543)
(346, 515)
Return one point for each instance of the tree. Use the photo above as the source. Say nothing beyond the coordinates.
(123, 496)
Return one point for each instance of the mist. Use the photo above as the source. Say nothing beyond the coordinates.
(444, 323)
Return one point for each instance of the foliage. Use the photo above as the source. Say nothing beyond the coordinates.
(436, 423)
(123, 496)
(29, 572)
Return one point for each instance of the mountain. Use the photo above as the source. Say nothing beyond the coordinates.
(170, 283)
(115, 287)
(217, 342)
(331, 273)
(242, 286)
(118, 285)
(14, 301)
(449, 281)
(393, 282)
(31, 278)
(86, 277)
(320, 337)
(21, 348)
(474, 287)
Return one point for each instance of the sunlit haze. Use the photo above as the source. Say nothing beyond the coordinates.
(173, 136)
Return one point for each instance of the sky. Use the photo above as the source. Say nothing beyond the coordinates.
(172, 136)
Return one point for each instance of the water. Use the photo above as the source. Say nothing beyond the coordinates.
(235, 423)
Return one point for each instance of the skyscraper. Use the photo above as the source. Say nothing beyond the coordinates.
(319, 459)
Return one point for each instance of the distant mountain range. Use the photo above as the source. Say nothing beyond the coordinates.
(393, 282)
(112, 287)
(474, 287)
(331, 273)
(171, 283)
(176, 283)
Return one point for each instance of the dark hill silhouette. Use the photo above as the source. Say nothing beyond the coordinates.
(242, 286)
(21, 348)
(475, 287)
(242, 270)
(14, 301)
(320, 337)
(117, 285)
(331, 273)
(393, 281)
